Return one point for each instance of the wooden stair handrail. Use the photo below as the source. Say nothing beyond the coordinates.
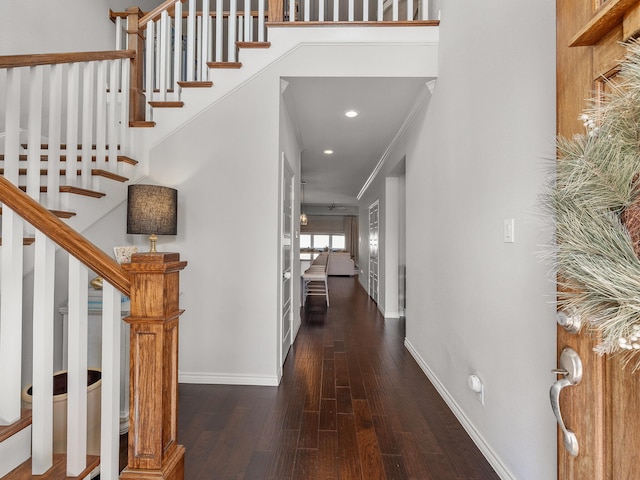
(156, 12)
(65, 236)
(12, 61)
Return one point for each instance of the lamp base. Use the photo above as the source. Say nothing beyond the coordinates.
(152, 243)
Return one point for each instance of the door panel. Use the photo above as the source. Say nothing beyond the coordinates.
(602, 409)
(286, 311)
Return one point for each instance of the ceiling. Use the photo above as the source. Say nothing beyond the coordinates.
(317, 106)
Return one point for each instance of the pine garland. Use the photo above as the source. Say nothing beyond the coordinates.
(595, 201)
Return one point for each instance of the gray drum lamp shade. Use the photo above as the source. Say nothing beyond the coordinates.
(152, 210)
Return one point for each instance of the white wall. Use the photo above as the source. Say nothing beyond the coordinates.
(38, 26)
(473, 158)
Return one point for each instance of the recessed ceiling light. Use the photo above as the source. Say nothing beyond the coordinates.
(351, 113)
(328, 152)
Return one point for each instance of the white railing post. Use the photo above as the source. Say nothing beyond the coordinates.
(42, 392)
(409, 10)
(124, 107)
(112, 115)
(35, 132)
(162, 44)
(206, 41)
(191, 41)
(77, 368)
(53, 152)
(101, 115)
(73, 87)
(321, 10)
(336, 10)
(88, 86)
(148, 68)
(351, 10)
(231, 25)
(247, 21)
(261, 20)
(394, 15)
(365, 10)
(177, 50)
(11, 265)
(110, 402)
(219, 29)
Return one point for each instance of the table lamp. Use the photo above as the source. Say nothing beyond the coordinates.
(152, 210)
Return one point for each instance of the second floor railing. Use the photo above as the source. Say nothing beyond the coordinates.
(176, 44)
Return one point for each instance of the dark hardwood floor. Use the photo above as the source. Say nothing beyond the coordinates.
(352, 404)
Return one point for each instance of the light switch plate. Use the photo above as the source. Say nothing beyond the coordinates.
(509, 230)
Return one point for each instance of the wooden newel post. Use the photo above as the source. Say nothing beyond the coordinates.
(153, 422)
(136, 42)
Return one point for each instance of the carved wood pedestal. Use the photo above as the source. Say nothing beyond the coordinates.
(153, 423)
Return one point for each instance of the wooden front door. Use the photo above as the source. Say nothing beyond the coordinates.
(603, 409)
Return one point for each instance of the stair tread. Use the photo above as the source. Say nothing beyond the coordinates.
(224, 64)
(253, 44)
(166, 104)
(7, 431)
(204, 84)
(98, 172)
(70, 189)
(142, 124)
(63, 173)
(56, 472)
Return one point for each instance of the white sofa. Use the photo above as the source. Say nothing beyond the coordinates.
(340, 263)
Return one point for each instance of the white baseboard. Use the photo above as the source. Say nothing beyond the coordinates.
(15, 450)
(227, 379)
(493, 459)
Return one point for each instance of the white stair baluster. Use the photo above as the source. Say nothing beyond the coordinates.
(11, 266)
(321, 10)
(119, 34)
(110, 411)
(73, 112)
(365, 10)
(261, 20)
(148, 69)
(219, 30)
(101, 115)
(247, 21)
(307, 11)
(336, 10)
(292, 10)
(424, 6)
(394, 16)
(351, 10)
(380, 10)
(198, 47)
(240, 27)
(55, 114)
(206, 41)
(77, 366)
(88, 86)
(43, 321)
(177, 51)
(191, 41)
(112, 115)
(35, 132)
(409, 10)
(124, 108)
(163, 55)
(231, 41)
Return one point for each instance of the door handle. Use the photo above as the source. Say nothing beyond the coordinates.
(571, 370)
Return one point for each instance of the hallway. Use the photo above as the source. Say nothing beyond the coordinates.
(352, 404)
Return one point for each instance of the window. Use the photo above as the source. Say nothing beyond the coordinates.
(322, 241)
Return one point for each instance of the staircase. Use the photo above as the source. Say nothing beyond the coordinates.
(75, 160)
